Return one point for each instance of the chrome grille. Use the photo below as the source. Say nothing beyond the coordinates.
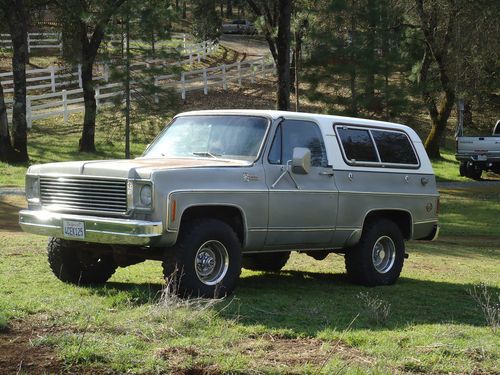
(84, 194)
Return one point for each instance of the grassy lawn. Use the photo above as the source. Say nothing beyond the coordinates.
(307, 319)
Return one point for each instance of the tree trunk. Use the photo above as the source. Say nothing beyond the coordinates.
(6, 150)
(352, 70)
(433, 141)
(89, 53)
(184, 12)
(370, 63)
(18, 31)
(87, 141)
(283, 50)
(229, 8)
(221, 9)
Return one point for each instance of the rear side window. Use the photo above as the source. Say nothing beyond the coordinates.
(358, 145)
(296, 133)
(394, 147)
(376, 147)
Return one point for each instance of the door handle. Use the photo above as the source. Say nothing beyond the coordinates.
(326, 173)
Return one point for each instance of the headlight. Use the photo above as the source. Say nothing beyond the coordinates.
(32, 189)
(145, 195)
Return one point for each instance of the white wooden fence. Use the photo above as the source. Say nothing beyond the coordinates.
(36, 41)
(66, 102)
(54, 78)
(202, 79)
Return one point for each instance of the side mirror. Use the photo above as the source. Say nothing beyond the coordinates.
(301, 160)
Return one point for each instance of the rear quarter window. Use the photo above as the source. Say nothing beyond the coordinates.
(376, 147)
(394, 147)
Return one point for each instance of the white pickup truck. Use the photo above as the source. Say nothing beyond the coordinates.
(478, 154)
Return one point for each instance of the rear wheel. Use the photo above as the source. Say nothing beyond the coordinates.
(205, 262)
(268, 262)
(378, 257)
(71, 263)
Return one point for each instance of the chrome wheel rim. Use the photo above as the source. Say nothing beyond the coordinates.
(211, 262)
(383, 254)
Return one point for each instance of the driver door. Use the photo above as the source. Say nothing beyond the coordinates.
(302, 207)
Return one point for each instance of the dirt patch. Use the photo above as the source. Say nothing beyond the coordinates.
(277, 352)
(266, 352)
(9, 212)
(19, 355)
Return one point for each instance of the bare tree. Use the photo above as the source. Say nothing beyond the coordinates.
(14, 12)
(277, 14)
(91, 18)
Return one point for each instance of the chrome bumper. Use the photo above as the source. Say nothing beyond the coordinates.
(97, 229)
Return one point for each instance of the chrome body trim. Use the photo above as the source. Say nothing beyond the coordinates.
(97, 229)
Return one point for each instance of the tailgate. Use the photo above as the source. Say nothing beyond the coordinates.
(478, 145)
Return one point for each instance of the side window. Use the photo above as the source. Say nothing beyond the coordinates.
(394, 147)
(357, 144)
(297, 133)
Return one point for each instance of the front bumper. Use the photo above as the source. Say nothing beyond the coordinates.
(97, 229)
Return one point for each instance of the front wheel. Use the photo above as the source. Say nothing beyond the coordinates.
(379, 256)
(205, 262)
(71, 263)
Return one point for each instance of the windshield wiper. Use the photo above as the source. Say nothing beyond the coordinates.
(206, 153)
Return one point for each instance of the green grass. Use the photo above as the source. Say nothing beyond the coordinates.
(292, 322)
(447, 168)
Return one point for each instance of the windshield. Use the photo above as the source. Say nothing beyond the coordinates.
(219, 137)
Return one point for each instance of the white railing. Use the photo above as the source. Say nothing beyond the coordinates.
(36, 41)
(54, 78)
(66, 102)
(202, 79)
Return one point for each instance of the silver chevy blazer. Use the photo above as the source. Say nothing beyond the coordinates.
(220, 190)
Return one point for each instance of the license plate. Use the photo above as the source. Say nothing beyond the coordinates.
(482, 157)
(74, 229)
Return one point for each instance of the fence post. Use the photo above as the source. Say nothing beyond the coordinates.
(96, 96)
(184, 41)
(263, 67)
(80, 76)
(157, 99)
(224, 78)
(190, 55)
(29, 43)
(53, 78)
(183, 86)
(252, 70)
(239, 73)
(106, 72)
(65, 106)
(28, 112)
(205, 83)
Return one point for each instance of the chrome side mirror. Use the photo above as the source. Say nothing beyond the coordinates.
(301, 160)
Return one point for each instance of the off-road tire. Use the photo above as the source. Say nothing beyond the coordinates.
(71, 266)
(359, 259)
(267, 262)
(475, 174)
(463, 169)
(179, 262)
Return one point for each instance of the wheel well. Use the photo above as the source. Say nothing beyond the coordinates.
(401, 218)
(229, 214)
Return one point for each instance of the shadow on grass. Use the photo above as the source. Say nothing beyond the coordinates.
(305, 303)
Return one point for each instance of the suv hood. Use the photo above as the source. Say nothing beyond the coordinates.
(132, 168)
